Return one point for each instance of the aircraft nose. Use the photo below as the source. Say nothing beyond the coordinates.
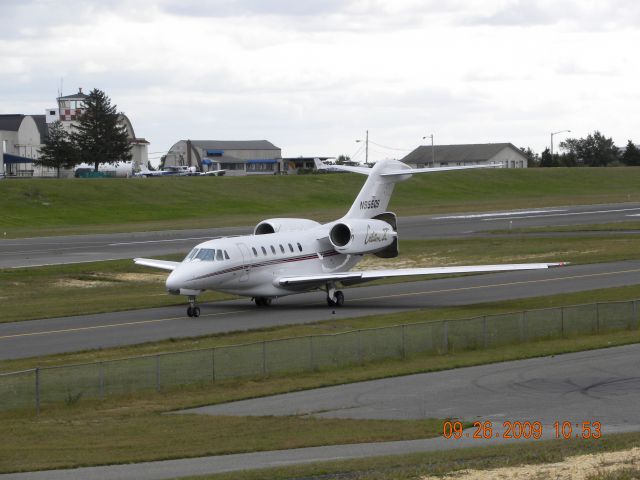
(175, 281)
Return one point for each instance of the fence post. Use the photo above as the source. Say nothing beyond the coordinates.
(561, 322)
(213, 365)
(635, 315)
(264, 358)
(445, 336)
(360, 352)
(597, 318)
(101, 375)
(403, 340)
(485, 329)
(157, 373)
(312, 360)
(37, 371)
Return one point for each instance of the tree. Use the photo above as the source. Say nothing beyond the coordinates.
(547, 160)
(594, 151)
(533, 159)
(99, 137)
(58, 151)
(631, 155)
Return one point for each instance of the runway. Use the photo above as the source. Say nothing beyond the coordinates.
(599, 385)
(15, 253)
(57, 335)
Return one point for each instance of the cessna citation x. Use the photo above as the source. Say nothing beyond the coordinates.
(285, 256)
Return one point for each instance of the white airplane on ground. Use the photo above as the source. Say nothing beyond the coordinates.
(285, 256)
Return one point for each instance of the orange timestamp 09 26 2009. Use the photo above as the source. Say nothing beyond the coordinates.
(454, 429)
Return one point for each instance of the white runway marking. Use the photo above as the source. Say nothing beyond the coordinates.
(499, 214)
(565, 214)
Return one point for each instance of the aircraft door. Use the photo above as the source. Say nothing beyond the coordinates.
(246, 262)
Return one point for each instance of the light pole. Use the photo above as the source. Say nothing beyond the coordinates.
(366, 149)
(433, 151)
(555, 133)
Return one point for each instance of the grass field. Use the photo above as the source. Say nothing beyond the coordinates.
(51, 206)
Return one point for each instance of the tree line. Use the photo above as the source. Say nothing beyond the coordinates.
(97, 137)
(596, 150)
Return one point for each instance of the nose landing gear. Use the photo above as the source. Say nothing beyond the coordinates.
(262, 301)
(335, 298)
(193, 310)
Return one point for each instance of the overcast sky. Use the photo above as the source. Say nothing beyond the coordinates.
(312, 76)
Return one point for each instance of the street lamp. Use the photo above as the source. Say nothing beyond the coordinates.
(366, 149)
(433, 151)
(555, 133)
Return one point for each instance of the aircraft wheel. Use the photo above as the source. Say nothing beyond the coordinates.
(190, 311)
(339, 301)
(195, 312)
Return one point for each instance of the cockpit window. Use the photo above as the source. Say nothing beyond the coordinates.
(192, 254)
(226, 255)
(205, 255)
(219, 255)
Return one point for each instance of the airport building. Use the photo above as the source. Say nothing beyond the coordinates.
(470, 154)
(235, 157)
(22, 136)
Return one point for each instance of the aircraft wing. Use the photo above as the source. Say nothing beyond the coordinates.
(162, 264)
(352, 278)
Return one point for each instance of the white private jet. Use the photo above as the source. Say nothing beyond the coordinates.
(285, 256)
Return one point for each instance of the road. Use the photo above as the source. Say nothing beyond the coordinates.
(26, 252)
(599, 385)
(57, 335)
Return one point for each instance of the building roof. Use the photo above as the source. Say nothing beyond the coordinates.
(41, 123)
(474, 152)
(11, 122)
(234, 144)
(76, 96)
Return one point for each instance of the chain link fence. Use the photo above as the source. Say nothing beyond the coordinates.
(69, 383)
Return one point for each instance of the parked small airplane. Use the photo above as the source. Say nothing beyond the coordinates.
(178, 170)
(285, 256)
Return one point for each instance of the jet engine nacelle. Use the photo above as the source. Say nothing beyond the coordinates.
(274, 225)
(358, 236)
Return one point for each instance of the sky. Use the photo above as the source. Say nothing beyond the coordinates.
(313, 76)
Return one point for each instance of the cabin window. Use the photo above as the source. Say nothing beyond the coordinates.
(264, 250)
(299, 246)
(226, 255)
(281, 248)
(255, 252)
(273, 250)
(219, 255)
(291, 248)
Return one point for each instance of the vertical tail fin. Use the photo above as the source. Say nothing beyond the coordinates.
(376, 192)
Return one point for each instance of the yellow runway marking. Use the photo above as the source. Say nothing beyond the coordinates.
(126, 324)
(572, 277)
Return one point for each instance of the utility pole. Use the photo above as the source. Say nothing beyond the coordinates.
(433, 150)
(366, 149)
(555, 133)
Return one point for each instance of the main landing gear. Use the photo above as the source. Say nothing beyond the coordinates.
(335, 298)
(193, 310)
(262, 301)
